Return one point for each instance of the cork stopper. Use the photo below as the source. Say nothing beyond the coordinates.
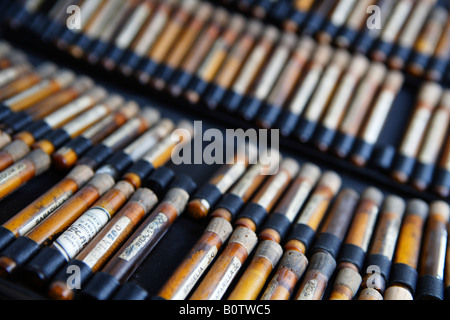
(189, 5)
(64, 78)
(310, 171)
(221, 17)
(114, 101)
(394, 204)
(341, 58)
(430, 93)
(445, 99)
(374, 195)
(271, 34)
(270, 250)
(323, 54)
(17, 149)
(288, 39)
(145, 197)
(221, 227)
(295, 261)
(151, 115)
(255, 28)
(82, 84)
(245, 237)
(394, 80)
(97, 93)
(397, 293)
(359, 65)
(102, 182)
(81, 174)
(417, 207)
(237, 22)
(205, 11)
(291, 166)
(125, 187)
(5, 48)
(349, 278)
(377, 72)
(18, 57)
(41, 161)
(306, 45)
(130, 109)
(4, 139)
(46, 70)
(332, 180)
(440, 208)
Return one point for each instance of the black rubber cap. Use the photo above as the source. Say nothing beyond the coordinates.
(100, 287)
(305, 130)
(6, 237)
(18, 121)
(130, 291)
(43, 266)
(159, 180)
(403, 274)
(80, 145)
(353, 254)
(430, 288)
(120, 161)
(84, 272)
(185, 182)
(214, 96)
(58, 138)
(254, 212)
(404, 164)
(4, 112)
(141, 168)
(230, 202)
(250, 107)
(98, 155)
(343, 144)
(39, 129)
(383, 157)
(21, 250)
(210, 193)
(303, 233)
(232, 101)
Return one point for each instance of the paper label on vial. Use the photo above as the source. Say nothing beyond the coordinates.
(74, 239)
(271, 288)
(12, 172)
(145, 236)
(196, 273)
(231, 176)
(107, 241)
(227, 278)
(308, 290)
(38, 218)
